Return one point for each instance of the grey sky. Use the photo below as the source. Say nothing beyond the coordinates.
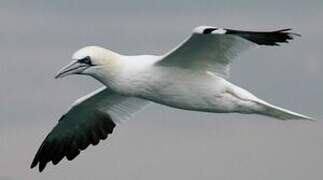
(37, 38)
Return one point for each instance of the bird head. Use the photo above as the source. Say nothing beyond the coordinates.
(91, 60)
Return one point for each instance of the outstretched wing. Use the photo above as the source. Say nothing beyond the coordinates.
(213, 49)
(90, 120)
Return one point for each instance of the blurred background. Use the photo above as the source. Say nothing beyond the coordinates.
(37, 38)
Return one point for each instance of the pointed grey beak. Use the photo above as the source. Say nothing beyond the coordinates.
(72, 68)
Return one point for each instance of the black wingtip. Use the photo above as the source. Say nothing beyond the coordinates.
(269, 38)
(33, 164)
(69, 142)
(35, 161)
(288, 29)
(291, 35)
(41, 166)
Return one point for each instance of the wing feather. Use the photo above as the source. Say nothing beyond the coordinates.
(213, 49)
(88, 121)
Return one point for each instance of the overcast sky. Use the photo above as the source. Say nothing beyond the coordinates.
(37, 39)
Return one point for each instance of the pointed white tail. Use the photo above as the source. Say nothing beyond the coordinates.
(280, 113)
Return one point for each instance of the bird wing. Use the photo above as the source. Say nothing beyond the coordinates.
(89, 120)
(212, 49)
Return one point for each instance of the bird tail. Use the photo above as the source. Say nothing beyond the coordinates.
(282, 114)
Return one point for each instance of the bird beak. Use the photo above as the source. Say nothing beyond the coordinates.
(72, 68)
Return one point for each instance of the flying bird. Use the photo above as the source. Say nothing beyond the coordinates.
(193, 76)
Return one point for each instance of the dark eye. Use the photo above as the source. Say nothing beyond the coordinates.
(86, 60)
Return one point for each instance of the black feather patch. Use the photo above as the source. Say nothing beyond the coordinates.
(271, 38)
(209, 30)
(71, 135)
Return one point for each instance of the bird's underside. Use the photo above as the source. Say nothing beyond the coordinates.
(209, 50)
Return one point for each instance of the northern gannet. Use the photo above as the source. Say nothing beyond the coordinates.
(192, 76)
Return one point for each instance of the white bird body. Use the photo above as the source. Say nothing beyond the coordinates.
(193, 76)
(177, 87)
(138, 76)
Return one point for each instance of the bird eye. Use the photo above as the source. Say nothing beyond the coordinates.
(86, 60)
